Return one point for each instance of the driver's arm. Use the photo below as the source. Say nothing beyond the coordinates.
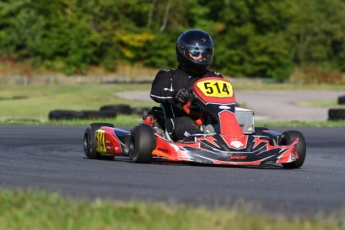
(162, 90)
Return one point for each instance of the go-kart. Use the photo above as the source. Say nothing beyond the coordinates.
(227, 137)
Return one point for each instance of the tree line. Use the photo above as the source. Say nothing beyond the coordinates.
(254, 38)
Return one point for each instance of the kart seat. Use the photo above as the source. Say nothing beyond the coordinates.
(167, 135)
(158, 114)
(206, 129)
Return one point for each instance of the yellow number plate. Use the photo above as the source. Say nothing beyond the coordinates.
(100, 144)
(215, 88)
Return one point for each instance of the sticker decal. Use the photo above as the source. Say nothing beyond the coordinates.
(238, 157)
(100, 143)
(215, 88)
(224, 107)
(236, 144)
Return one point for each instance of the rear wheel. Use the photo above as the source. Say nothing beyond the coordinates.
(143, 142)
(90, 141)
(288, 137)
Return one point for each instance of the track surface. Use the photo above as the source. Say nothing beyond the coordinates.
(52, 158)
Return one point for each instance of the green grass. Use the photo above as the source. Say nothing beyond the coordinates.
(38, 101)
(321, 103)
(132, 120)
(120, 120)
(340, 123)
(40, 210)
(259, 85)
(20, 103)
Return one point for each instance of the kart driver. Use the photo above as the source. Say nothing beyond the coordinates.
(194, 51)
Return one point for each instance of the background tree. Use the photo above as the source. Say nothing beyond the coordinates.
(254, 38)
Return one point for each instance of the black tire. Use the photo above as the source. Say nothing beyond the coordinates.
(64, 115)
(120, 109)
(336, 114)
(94, 114)
(341, 100)
(90, 141)
(287, 138)
(258, 130)
(143, 142)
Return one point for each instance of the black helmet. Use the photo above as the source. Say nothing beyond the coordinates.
(194, 51)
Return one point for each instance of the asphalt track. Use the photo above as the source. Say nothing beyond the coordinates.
(51, 158)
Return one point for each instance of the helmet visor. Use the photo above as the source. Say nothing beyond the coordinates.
(199, 53)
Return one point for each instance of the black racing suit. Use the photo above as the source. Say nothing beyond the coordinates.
(164, 87)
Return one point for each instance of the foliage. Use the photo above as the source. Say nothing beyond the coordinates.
(315, 75)
(252, 38)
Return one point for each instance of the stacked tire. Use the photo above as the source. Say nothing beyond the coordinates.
(65, 115)
(106, 111)
(337, 114)
(124, 109)
(85, 114)
(94, 114)
(341, 100)
(121, 108)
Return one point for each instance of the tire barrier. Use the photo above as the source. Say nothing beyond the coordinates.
(85, 114)
(140, 111)
(106, 111)
(65, 115)
(336, 114)
(341, 100)
(124, 109)
(93, 114)
(120, 109)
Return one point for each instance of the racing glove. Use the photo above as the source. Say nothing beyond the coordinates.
(181, 96)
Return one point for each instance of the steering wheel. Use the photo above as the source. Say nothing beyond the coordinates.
(187, 106)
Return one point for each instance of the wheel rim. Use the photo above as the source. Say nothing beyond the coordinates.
(87, 145)
(131, 149)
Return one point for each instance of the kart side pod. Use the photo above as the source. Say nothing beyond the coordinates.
(125, 138)
(114, 141)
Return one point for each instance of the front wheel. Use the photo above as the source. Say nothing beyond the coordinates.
(143, 142)
(90, 141)
(287, 138)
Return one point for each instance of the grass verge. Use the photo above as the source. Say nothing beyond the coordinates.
(322, 103)
(120, 120)
(40, 210)
(340, 123)
(133, 120)
(36, 101)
